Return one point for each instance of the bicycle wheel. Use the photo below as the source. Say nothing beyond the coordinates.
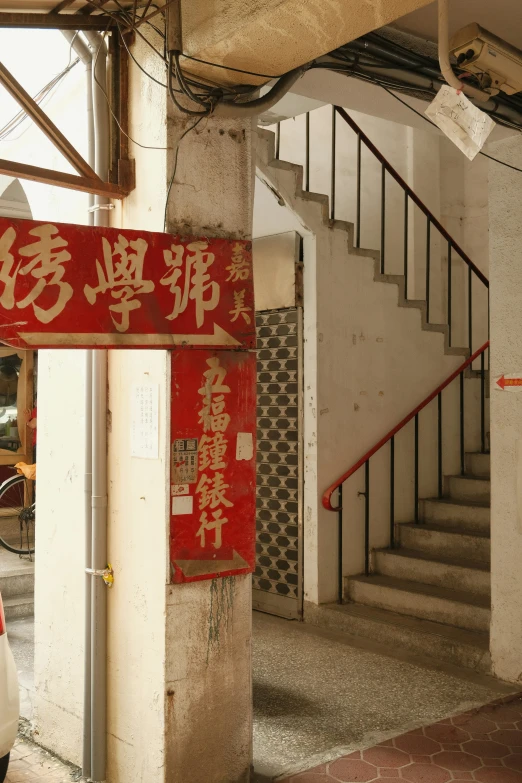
(17, 511)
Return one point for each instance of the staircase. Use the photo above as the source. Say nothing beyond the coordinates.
(428, 592)
(16, 585)
(431, 594)
(435, 586)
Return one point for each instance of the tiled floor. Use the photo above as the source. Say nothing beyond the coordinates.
(30, 764)
(482, 745)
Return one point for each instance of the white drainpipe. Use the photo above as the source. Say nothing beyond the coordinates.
(95, 681)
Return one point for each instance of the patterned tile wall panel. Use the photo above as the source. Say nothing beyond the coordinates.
(277, 453)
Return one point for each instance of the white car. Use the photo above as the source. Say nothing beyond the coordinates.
(9, 698)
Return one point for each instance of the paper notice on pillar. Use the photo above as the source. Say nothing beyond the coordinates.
(145, 421)
(467, 126)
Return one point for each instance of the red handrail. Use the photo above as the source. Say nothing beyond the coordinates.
(327, 497)
(411, 194)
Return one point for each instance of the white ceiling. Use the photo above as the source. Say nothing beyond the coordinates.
(502, 17)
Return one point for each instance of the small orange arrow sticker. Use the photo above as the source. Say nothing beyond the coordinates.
(509, 382)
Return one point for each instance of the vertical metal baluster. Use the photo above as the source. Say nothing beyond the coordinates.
(439, 456)
(428, 269)
(307, 152)
(367, 517)
(392, 492)
(383, 216)
(332, 187)
(462, 443)
(278, 140)
(406, 245)
(340, 578)
(470, 311)
(358, 202)
(416, 512)
(482, 404)
(449, 293)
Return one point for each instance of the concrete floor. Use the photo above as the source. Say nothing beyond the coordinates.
(318, 696)
(10, 562)
(21, 639)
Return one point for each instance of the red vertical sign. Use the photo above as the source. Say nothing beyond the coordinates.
(213, 474)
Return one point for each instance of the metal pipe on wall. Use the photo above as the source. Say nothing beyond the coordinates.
(85, 54)
(94, 761)
(99, 445)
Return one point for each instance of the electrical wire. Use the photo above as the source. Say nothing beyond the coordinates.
(42, 98)
(102, 88)
(229, 68)
(171, 182)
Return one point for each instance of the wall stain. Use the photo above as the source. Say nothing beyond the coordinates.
(221, 602)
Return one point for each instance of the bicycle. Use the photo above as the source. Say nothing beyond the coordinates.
(17, 515)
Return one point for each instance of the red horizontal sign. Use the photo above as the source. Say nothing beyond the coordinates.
(64, 286)
(213, 464)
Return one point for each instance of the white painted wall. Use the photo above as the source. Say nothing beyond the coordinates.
(368, 362)
(139, 494)
(454, 189)
(59, 572)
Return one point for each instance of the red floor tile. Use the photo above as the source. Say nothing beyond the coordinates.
(479, 746)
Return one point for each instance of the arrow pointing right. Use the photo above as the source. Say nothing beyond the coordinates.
(51, 339)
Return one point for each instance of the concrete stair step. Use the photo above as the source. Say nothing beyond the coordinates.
(467, 517)
(445, 541)
(18, 606)
(451, 573)
(469, 488)
(426, 602)
(442, 643)
(16, 582)
(478, 464)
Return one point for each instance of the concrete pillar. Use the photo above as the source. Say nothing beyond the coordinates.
(208, 718)
(506, 411)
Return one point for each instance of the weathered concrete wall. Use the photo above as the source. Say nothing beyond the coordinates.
(506, 413)
(208, 688)
(274, 36)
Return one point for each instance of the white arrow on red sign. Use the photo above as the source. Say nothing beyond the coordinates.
(50, 339)
(511, 382)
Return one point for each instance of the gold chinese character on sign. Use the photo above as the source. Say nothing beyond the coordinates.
(47, 255)
(239, 268)
(195, 284)
(123, 277)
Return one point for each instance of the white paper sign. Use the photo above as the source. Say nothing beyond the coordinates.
(463, 123)
(244, 446)
(182, 505)
(145, 421)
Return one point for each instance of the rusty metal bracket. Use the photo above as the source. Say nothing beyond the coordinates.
(61, 180)
(88, 181)
(40, 118)
(57, 21)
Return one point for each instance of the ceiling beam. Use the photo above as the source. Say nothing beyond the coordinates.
(57, 21)
(40, 118)
(60, 179)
